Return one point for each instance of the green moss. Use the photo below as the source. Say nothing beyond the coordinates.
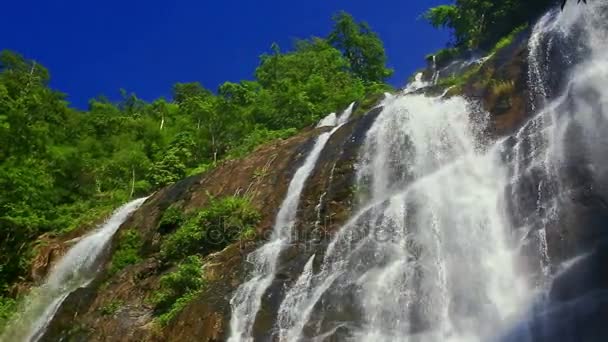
(177, 289)
(127, 252)
(222, 222)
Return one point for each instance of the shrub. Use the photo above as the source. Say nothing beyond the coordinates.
(7, 309)
(213, 228)
(172, 218)
(200, 169)
(127, 252)
(178, 288)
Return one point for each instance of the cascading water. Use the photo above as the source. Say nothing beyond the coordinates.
(561, 153)
(76, 269)
(428, 254)
(247, 298)
(435, 252)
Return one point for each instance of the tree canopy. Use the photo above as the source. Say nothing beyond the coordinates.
(362, 47)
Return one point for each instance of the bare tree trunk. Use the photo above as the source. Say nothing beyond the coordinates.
(132, 182)
(162, 122)
(214, 148)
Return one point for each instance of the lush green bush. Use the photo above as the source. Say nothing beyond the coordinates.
(178, 288)
(172, 218)
(7, 310)
(128, 251)
(213, 228)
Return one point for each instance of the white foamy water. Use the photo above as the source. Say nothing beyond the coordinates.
(76, 269)
(428, 254)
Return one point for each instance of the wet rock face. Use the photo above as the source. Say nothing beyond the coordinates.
(577, 306)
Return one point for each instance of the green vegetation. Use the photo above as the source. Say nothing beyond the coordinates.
(111, 308)
(7, 310)
(222, 222)
(500, 88)
(443, 56)
(61, 168)
(172, 218)
(460, 80)
(178, 288)
(127, 252)
(508, 40)
(482, 23)
(362, 47)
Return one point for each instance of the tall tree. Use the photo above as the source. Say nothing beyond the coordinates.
(362, 48)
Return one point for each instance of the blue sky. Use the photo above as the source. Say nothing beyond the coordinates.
(97, 47)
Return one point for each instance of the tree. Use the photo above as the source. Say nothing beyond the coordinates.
(301, 86)
(481, 23)
(362, 48)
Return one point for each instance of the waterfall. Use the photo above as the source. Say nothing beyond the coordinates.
(76, 269)
(428, 252)
(247, 299)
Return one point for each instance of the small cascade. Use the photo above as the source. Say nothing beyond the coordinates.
(416, 84)
(247, 299)
(76, 269)
(332, 120)
(345, 116)
(329, 121)
(435, 77)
